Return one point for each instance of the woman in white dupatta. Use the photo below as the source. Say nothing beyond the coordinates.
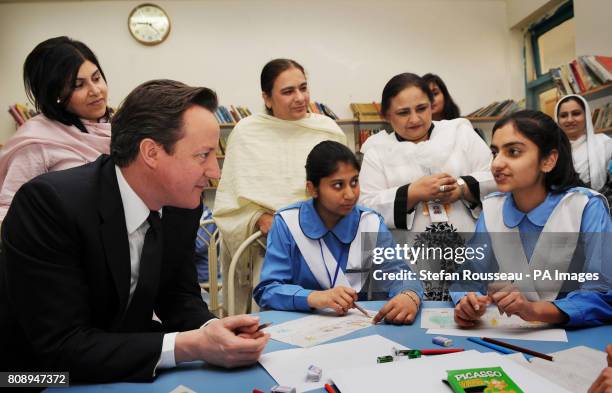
(425, 176)
(264, 170)
(591, 153)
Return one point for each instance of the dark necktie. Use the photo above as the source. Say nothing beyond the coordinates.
(140, 310)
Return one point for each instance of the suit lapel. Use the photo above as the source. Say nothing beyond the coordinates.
(114, 235)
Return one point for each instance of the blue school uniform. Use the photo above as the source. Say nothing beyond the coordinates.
(592, 304)
(286, 279)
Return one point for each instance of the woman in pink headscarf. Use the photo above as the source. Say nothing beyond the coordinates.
(65, 82)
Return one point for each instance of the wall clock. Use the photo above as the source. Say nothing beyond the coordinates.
(149, 24)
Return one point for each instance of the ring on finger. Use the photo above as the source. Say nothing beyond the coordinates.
(442, 188)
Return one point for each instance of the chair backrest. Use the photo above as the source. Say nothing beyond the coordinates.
(231, 290)
(213, 241)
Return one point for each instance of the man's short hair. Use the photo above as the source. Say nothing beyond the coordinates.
(154, 110)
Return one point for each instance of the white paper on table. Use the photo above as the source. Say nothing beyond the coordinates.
(289, 367)
(517, 334)
(426, 374)
(319, 328)
(575, 368)
(443, 318)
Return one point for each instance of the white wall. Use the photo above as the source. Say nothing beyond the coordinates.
(593, 27)
(523, 12)
(350, 48)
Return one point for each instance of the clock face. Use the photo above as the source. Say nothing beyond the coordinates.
(149, 24)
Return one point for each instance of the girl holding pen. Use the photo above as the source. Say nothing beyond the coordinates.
(540, 202)
(314, 249)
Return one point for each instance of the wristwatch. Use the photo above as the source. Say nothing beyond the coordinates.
(461, 184)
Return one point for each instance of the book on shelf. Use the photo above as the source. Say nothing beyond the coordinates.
(364, 134)
(602, 117)
(320, 108)
(21, 113)
(222, 144)
(582, 74)
(232, 115)
(496, 109)
(367, 111)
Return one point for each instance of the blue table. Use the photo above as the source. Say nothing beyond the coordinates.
(201, 377)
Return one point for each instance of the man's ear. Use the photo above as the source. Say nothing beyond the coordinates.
(549, 162)
(149, 151)
(312, 190)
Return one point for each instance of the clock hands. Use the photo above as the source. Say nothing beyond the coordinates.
(148, 24)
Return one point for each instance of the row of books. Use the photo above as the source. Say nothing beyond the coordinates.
(496, 109)
(318, 107)
(602, 117)
(364, 134)
(222, 146)
(367, 111)
(582, 74)
(21, 113)
(232, 115)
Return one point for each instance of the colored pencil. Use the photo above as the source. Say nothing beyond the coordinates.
(263, 326)
(363, 311)
(329, 388)
(489, 345)
(440, 351)
(518, 349)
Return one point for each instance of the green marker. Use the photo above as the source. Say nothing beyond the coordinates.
(410, 353)
(384, 359)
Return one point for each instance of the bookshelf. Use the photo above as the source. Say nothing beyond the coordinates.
(473, 119)
(607, 130)
(597, 91)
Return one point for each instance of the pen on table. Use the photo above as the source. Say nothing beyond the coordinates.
(263, 326)
(489, 345)
(518, 349)
(363, 311)
(329, 388)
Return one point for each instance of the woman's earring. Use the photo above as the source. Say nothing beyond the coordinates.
(58, 100)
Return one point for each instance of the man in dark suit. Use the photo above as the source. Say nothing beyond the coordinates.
(87, 259)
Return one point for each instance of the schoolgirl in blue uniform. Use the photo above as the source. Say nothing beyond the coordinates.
(314, 257)
(541, 201)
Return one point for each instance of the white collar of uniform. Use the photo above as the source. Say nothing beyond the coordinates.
(134, 208)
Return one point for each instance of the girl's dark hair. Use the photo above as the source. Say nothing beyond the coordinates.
(272, 70)
(570, 98)
(451, 110)
(323, 160)
(49, 75)
(542, 130)
(399, 83)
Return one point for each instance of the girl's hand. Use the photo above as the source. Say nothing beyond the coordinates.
(265, 223)
(429, 188)
(470, 308)
(401, 310)
(511, 301)
(340, 299)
